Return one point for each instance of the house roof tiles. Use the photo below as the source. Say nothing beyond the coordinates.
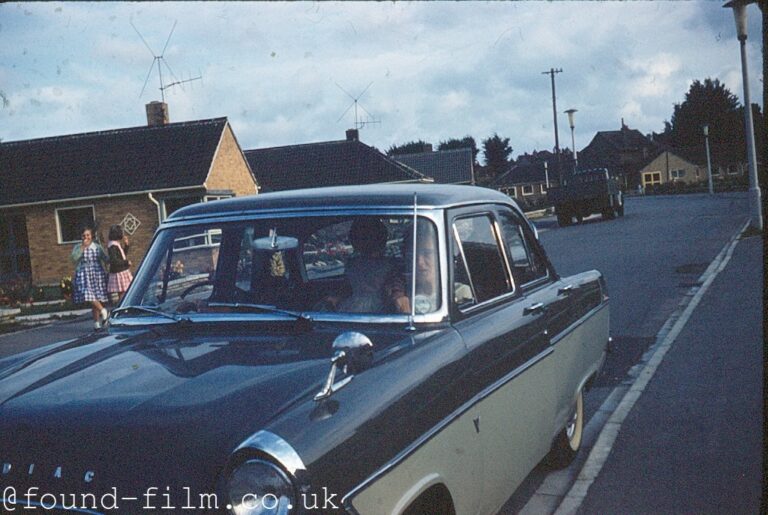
(444, 166)
(137, 159)
(331, 163)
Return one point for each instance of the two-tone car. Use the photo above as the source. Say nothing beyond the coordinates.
(364, 349)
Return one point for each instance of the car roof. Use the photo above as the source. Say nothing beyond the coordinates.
(371, 195)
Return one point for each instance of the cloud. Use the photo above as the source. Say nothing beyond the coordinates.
(439, 69)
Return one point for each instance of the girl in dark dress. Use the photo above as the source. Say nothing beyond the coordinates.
(120, 276)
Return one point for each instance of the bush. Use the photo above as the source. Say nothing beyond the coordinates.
(15, 291)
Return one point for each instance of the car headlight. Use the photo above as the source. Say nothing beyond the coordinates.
(258, 487)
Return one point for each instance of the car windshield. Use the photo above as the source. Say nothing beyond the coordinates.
(340, 264)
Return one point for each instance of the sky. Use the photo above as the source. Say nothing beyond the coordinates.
(288, 73)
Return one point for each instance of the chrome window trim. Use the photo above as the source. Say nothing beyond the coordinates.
(505, 264)
(500, 242)
(464, 262)
(250, 213)
(315, 316)
(434, 216)
(543, 279)
(487, 391)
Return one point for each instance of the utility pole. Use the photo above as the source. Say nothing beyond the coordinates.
(551, 73)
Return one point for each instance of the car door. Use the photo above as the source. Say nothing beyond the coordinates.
(505, 333)
(561, 300)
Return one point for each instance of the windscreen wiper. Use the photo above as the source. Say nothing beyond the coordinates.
(264, 308)
(148, 310)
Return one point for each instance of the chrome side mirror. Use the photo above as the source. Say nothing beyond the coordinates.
(353, 353)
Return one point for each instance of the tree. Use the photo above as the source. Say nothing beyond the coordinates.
(496, 151)
(709, 103)
(412, 147)
(465, 142)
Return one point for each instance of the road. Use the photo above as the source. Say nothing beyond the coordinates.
(691, 441)
(654, 260)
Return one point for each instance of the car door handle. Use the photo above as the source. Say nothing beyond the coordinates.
(534, 308)
(567, 290)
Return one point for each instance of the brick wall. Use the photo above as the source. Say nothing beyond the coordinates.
(50, 260)
(230, 170)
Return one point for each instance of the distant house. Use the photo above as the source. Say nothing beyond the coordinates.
(528, 179)
(669, 166)
(623, 152)
(135, 177)
(330, 163)
(444, 166)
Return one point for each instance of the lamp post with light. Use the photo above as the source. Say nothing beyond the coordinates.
(705, 128)
(570, 112)
(740, 15)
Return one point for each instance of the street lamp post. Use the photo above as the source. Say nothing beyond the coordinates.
(709, 162)
(570, 112)
(740, 15)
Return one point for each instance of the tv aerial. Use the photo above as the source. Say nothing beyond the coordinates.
(160, 61)
(359, 124)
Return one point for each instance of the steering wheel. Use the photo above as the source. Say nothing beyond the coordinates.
(195, 286)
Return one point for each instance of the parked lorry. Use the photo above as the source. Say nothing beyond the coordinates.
(584, 193)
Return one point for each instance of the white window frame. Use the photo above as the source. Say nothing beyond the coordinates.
(208, 234)
(543, 188)
(677, 174)
(58, 223)
(735, 169)
(524, 186)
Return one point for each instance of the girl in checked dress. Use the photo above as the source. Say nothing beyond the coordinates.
(119, 267)
(90, 284)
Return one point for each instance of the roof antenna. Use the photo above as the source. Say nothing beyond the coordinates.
(359, 124)
(160, 59)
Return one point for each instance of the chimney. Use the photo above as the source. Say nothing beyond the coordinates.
(353, 135)
(427, 147)
(157, 113)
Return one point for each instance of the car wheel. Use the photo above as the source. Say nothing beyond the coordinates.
(568, 441)
(620, 210)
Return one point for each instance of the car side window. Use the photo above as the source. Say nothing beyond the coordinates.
(526, 264)
(478, 259)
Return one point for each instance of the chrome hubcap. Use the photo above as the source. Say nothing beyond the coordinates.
(570, 430)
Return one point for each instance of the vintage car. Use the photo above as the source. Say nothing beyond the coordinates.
(362, 349)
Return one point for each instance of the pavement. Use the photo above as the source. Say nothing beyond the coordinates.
(693, 440)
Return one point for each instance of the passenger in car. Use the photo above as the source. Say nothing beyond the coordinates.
(427, 275)
(370, 273)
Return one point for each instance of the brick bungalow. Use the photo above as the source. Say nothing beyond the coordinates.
(328, 163)
(134, 177)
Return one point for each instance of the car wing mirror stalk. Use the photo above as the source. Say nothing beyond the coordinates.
(353, 353)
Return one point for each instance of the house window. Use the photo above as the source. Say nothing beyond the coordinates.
(71, 220)
(512, 192)
(676, 174)
(716, 171)
(206, 239)
(543, 189)
(528, 189)
(651, 178)
(733, 170)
